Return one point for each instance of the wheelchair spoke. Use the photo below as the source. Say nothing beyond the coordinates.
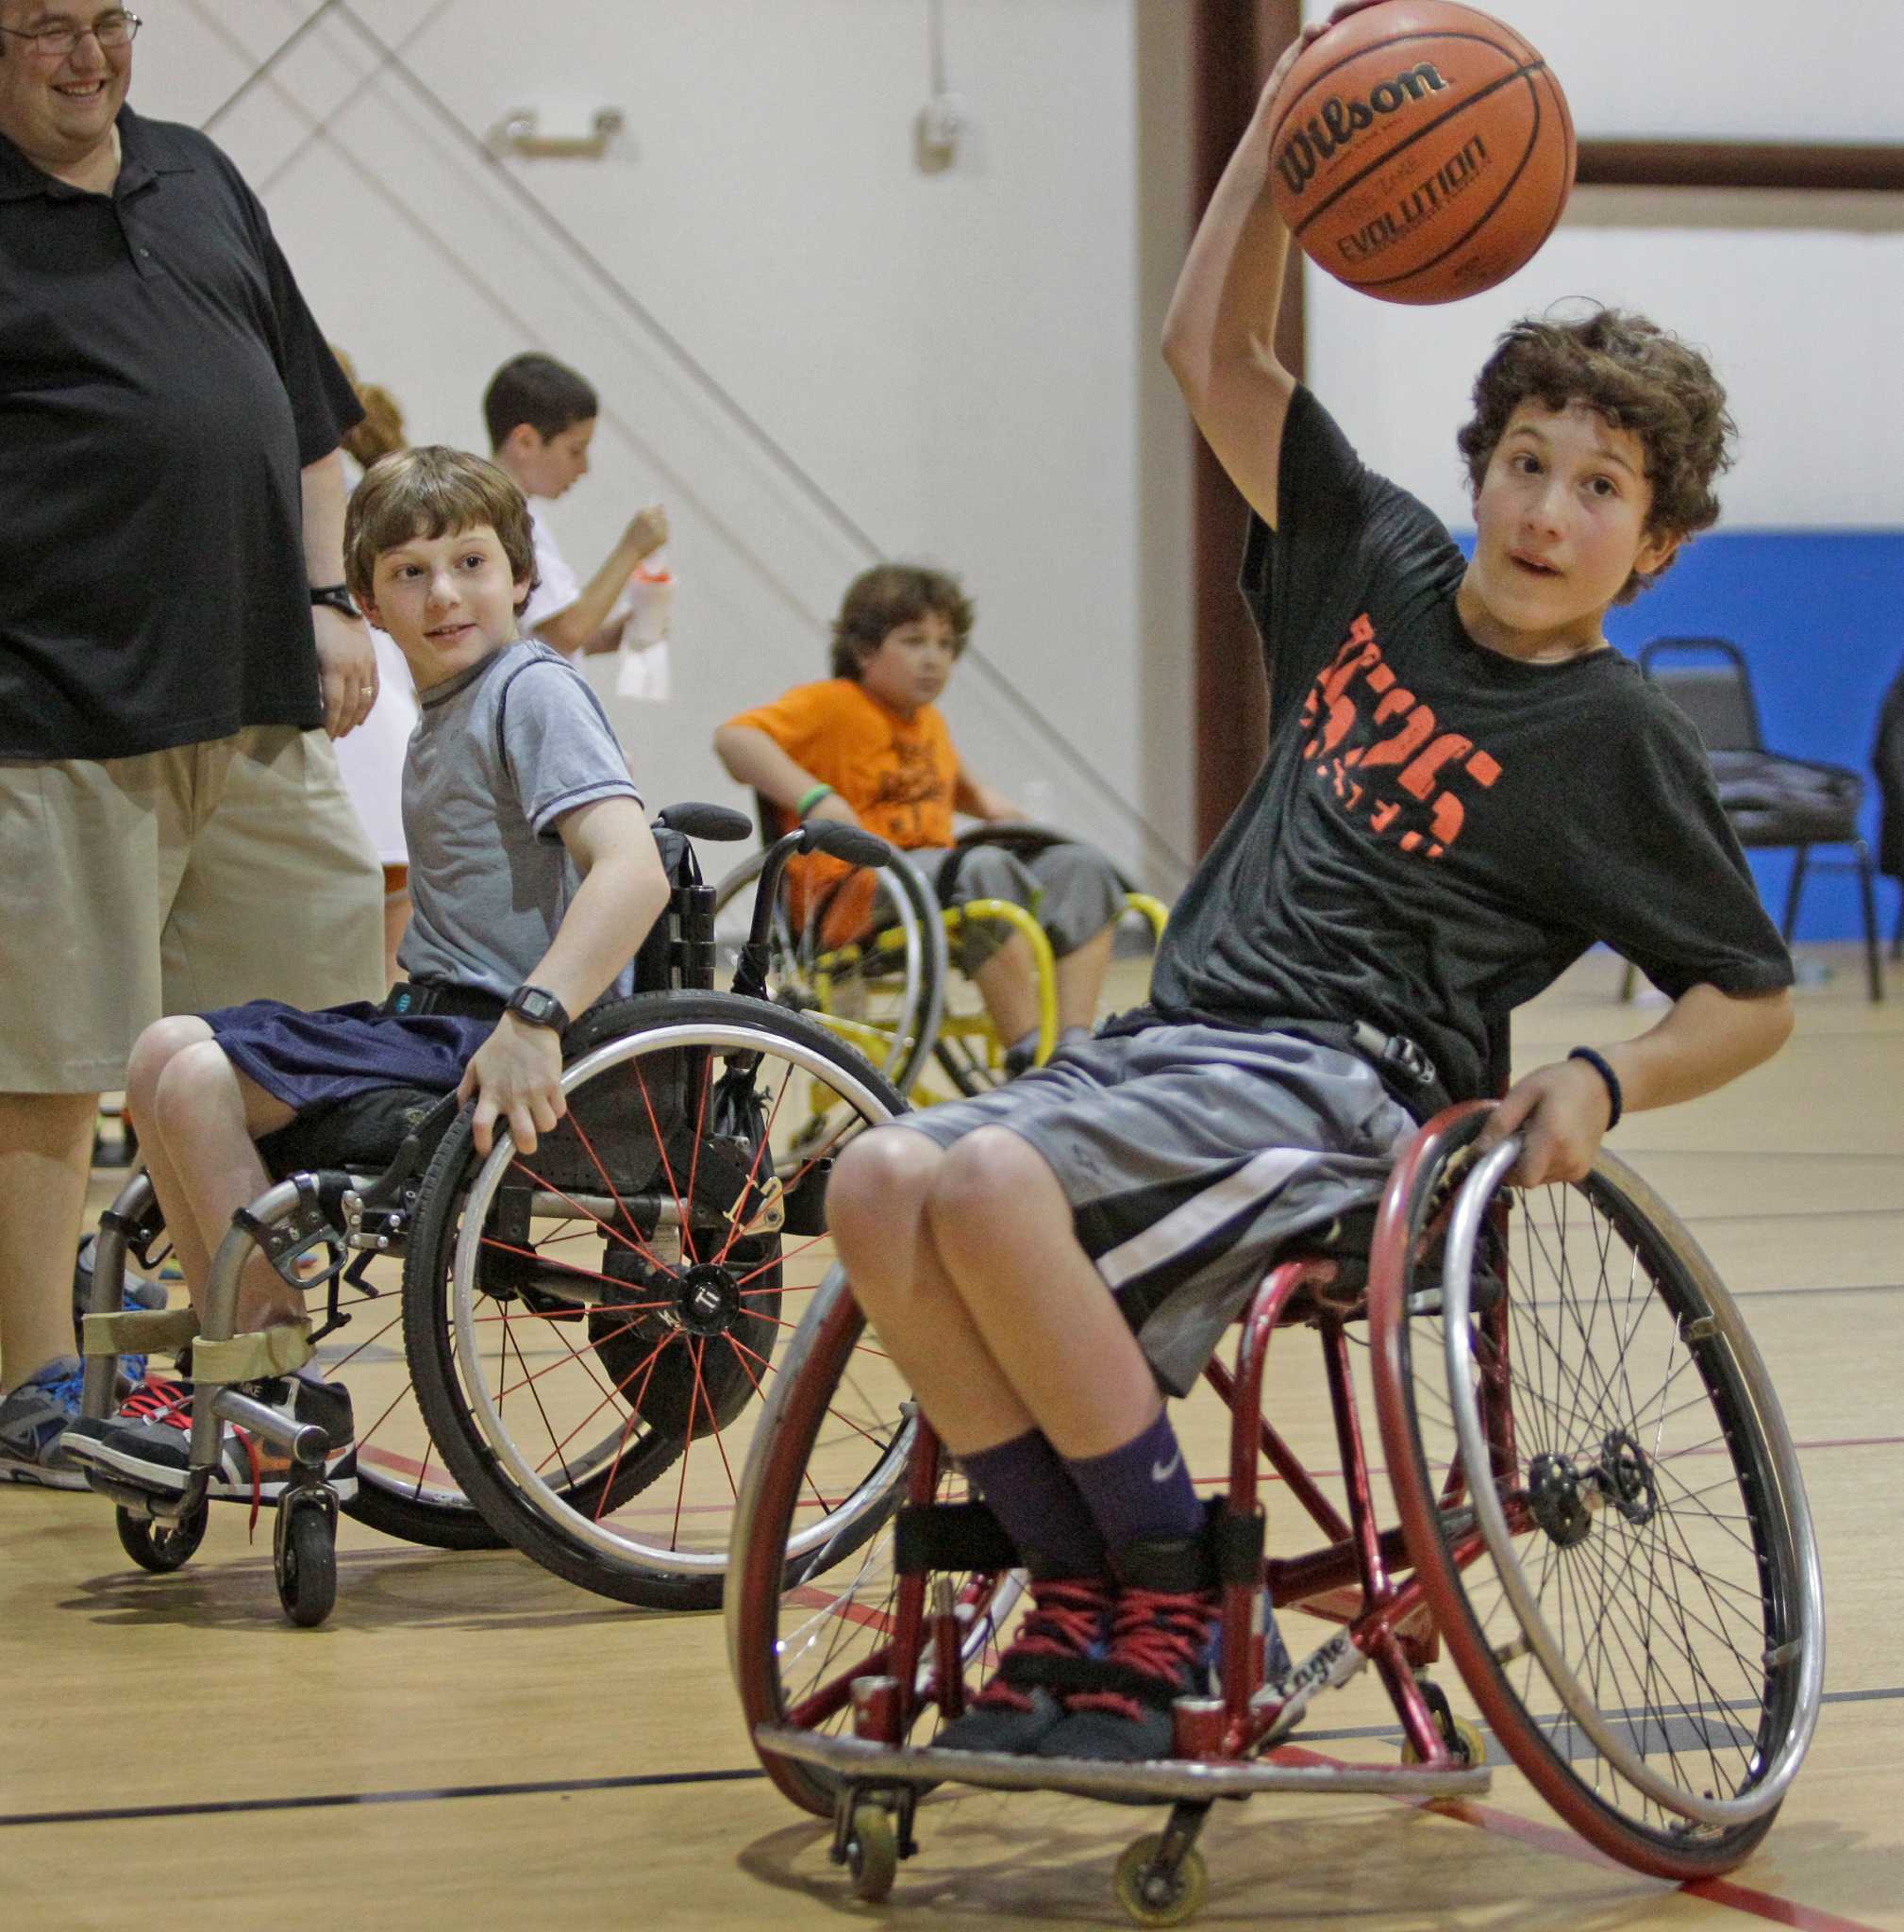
(666, 1237)
(1631, 1635)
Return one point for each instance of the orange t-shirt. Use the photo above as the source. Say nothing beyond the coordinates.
(899, 775)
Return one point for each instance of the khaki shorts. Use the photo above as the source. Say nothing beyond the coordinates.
(175, 882)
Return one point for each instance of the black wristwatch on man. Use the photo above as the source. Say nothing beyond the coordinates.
(337, 595)
(538, 1008)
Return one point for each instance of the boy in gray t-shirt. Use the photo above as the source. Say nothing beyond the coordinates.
(534, 877)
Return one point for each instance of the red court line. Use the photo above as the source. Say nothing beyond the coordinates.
(1551, 1838)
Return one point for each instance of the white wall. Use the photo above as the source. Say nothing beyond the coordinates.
(810, 349)
(1795, 295)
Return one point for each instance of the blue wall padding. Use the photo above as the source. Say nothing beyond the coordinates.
(1820, 617)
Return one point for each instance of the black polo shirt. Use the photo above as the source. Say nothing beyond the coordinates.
(162, 385)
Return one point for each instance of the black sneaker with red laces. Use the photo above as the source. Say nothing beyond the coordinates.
(1058, 1647)
(1164, 1626)
(148, 1442)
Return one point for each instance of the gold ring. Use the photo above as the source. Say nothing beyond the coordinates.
(366, 691)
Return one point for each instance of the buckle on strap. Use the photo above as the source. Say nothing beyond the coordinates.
(1397, 1050)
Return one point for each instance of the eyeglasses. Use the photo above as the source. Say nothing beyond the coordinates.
(114, 29)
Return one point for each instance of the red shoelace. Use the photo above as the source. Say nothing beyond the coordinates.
(1066, 1620)
(158, 1402)
(1156, 1635)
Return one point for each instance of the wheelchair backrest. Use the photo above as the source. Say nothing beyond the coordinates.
(679, 948)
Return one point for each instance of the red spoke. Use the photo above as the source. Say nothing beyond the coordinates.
(779, 1261)
(634, 1241)
(750, 1185)
(686, 1447)
(667, 1166)
(714, 1421)
(503, 1247)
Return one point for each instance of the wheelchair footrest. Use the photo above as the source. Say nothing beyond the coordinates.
(1164, 1779)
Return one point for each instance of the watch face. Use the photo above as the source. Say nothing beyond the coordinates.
(535, 1005)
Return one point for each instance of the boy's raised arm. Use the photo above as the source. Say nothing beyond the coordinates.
(1219, 338)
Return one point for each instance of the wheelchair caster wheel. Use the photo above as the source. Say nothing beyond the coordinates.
(1152, 1896)
(1467, 1743)
(304, 1560)
(161, 1547)
(872, 1852)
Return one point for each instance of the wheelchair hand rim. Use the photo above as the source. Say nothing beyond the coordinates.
(621, 1551)
(1464, 1225)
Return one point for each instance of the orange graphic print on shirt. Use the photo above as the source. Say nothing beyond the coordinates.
(1385, 755)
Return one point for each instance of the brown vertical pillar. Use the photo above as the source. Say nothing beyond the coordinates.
(1238, 42)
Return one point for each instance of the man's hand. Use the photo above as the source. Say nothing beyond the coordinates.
(516, 1076)
(1561, 1112)
(346, 669)
(646, 532)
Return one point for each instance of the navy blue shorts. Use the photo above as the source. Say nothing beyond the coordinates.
(312, 1061)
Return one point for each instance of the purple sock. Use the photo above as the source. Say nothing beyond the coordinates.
(1140, 1492)
(1030, 1491)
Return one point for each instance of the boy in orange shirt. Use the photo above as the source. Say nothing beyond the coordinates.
(868, 746)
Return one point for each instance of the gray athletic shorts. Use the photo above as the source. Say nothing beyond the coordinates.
(1189, 1156)
(1072, 890)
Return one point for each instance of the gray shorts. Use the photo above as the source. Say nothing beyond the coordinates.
(1072, 889)
(1189, 1154)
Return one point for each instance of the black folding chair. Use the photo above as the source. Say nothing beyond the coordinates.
(1769, 798)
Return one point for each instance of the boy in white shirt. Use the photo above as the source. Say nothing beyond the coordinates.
(542, 418)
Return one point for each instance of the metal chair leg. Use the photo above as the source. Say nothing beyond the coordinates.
(1873, 964)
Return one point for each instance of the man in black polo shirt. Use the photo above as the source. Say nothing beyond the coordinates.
(173, 835)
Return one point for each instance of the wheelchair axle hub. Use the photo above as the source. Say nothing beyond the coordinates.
(707, 1300)
(1557, 1497)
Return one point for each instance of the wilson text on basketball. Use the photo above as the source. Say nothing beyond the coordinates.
(1339, 121)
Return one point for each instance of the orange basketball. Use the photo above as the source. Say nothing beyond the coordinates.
(1420, 151)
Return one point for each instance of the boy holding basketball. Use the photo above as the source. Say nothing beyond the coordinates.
(1465, 787)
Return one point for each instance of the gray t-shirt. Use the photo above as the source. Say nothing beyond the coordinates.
(501, 753)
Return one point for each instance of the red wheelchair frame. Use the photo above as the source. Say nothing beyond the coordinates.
(838, 1745)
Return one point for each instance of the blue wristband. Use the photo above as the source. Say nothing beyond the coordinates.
(1606, 1073)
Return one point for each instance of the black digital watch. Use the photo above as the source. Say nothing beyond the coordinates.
(538, 1008)
(337, 596)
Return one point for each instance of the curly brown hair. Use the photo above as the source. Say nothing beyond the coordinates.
(434, 491)
(879, 600)
(1640, 377)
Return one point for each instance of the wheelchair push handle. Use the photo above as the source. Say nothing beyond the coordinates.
(852, 844)
(696, 821)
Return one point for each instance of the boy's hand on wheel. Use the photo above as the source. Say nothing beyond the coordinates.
(515, 1076)
(1561, 1112)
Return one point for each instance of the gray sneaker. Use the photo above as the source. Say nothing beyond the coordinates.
(33, 1419)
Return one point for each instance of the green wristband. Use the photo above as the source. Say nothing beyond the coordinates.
(810, 799)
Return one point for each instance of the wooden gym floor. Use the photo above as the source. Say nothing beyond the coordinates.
(471, 1742)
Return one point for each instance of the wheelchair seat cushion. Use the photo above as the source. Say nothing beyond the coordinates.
(361, 1134)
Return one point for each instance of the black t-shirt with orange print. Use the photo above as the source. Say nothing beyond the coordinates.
(1439, 831)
